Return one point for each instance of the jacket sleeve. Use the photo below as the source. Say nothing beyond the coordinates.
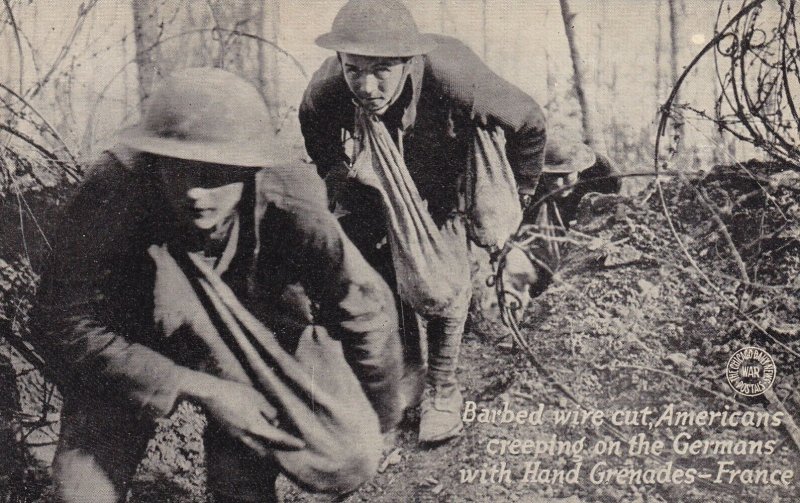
(324, 107)
(492, 100)
(499, 102)
(352, 300)
(75, 327)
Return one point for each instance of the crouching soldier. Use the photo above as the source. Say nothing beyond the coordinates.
(420, 113)
(197, 262)
(571, 170)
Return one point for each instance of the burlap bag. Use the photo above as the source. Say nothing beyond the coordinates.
(432, 271)
(317, 395)
(493, 209)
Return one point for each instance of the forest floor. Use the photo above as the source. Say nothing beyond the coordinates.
(627, 323)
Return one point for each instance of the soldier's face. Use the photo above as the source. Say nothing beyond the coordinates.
(373, 80)
(201, 193)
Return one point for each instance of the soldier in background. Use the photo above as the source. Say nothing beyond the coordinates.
(571, 170)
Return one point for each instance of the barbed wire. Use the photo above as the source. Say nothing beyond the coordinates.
(757, 69)
(756, 62)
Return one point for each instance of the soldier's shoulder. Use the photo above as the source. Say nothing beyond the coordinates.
(455, 69)
(450, 52)
(117, 165)
(327, 82)
(294, 187)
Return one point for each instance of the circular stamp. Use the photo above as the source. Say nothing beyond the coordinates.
(750, 371)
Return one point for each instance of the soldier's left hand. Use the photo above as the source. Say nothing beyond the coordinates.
(518, 276)
(567, 180)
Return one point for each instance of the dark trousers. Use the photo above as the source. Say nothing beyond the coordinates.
(443, 334)
(101, 446)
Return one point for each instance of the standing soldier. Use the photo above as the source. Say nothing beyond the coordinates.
(436, 137)
(197, 262)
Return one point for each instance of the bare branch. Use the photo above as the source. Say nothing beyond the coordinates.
(13, 22)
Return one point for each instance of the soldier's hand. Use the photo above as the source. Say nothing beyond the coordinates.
(336, 182)
(518, 276)
(243, 412)
(567, 180)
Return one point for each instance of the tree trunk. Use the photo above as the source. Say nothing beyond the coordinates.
(592, 131)
(659, 50)
(270, 71)
(676, 13)
(174, 34)
(601, 50)
(485, 29)
(551, 81)
(146, 30)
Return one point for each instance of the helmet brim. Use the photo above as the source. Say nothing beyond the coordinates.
(389, 47)
(576, 157)
(248, 154)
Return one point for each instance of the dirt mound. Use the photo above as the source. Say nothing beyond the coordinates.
(629, 322)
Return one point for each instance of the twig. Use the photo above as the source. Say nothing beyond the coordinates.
(30, 141)
(82, 12)
(13, 22)
(737, 258)
(47, 124)
(679, 378)
(788, 421)
(20, 345)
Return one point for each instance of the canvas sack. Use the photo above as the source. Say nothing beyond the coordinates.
(316, 393)
(432, 272)
(493, 209)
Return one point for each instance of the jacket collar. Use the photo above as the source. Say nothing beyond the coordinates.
(415, 77)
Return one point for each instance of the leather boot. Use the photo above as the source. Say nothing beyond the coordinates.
(440, 414)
